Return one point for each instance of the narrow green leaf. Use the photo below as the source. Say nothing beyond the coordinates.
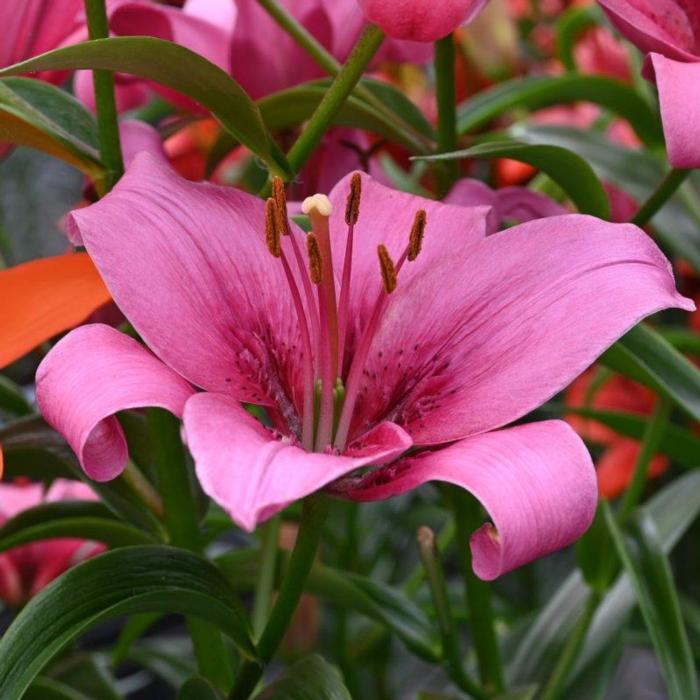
(12, 399)
(650, 572)
(679, 444)
(48, 689)
(568, 170)
(39, 115)
(644, 355)
(312, 678)
(174, 67)
(123, 581)
(135, 627)
(537, 92)
(87, 674)
(198, 689)
(569, 28)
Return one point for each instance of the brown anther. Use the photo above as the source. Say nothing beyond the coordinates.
(280, 198)
(272, 232)
(352, 207)
(387, 267)
(415, 241)
(315, 266)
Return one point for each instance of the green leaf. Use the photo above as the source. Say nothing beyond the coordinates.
(134, 628)
(568, 170)
(542, 91)
(593, 554)
(634, 171)
(650, 572)
(73, 519)
(569, 28)
(48, 689)
(174, 67)
(312, 678)
(381, 603)
(531, 655)
(120, 582)
(645, 356)
(198, 689)
(87, 674)
(39, 115)
(679, 444)
(12, 399)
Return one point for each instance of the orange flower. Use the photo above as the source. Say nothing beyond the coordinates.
(44, 297)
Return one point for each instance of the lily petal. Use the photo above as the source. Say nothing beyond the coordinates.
(42, 298)
(188, 265)
(252, 474)
(679, 95)
(536, 481)
(91, 374)
(517, 318)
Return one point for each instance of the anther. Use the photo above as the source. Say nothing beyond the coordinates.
(387, 267)
(314, 251)
(272, 232)
(352, 207)
(415, 241)
(280, 198)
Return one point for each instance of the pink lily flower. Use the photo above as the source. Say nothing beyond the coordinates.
(25, 570)
(420, 20)
(669, 32)
(507, 204)
(388, 347)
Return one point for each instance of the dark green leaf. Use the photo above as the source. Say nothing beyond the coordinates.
(87, 674)
(39, 115)
(381, 603)
(645, 356)
(73, 519)
(568, 170)
(647, 566)
(636, 172)
(570, 27)
(48, 689)
(177, 68)
(198, 689)
(679, 444)
(136, 626)
(530, 655)
(12, 399)
(120, 582)
(593, 554)
(542, 91)
(312, 678)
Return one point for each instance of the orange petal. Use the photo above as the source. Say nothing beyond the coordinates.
(42, 298)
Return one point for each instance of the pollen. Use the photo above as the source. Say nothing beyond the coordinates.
(315, 266)
(280, 198)
(352, 207)
(317, 204)
(387, 267)
(415, 241)
(272, 231)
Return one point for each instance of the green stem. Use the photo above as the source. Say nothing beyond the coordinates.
(468, 517)
(447, 109)
(435, 576)
(673, 180)
(336, 95)
(181, 522)
(314, 513)
(650, 444)
(105, 102)
(570, 652)
(264, 587)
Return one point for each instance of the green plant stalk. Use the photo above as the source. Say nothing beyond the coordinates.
(435, 576)
(447, 110)
(264, 587)
(557, 680)
(468, 517)
(666, 189)
(336, 95)
(181, 523)
(650, 444)
(314, 511)
(105, 102)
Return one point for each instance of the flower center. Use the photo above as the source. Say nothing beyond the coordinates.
(323, 314)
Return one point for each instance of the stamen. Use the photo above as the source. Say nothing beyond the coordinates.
(272, 231)
(352, 207)
(315, 263)
(280, 198)
(387, 267)
(415, 241)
